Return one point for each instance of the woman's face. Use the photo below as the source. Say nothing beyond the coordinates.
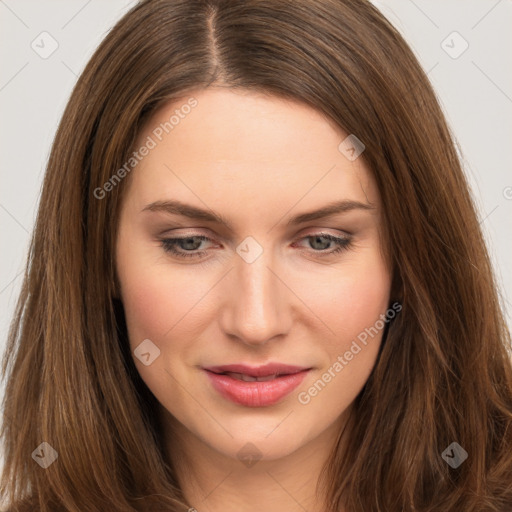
(259, 277)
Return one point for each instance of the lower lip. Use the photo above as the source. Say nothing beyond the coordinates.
(256, 394)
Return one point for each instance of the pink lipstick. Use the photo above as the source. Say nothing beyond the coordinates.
(256, 386)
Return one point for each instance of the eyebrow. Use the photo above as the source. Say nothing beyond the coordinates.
(193, 212)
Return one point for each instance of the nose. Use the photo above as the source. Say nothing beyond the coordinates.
(258, 308)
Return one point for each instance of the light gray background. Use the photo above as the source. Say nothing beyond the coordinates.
(475, 90)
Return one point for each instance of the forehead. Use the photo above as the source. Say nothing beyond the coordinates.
(248, 150)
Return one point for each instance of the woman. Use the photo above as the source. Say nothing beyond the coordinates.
(257, 279)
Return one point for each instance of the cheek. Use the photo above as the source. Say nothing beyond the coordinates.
(354, 301)
(146, 305)
(154, 299)
(145, 299)
(353, 312)
(155, 303)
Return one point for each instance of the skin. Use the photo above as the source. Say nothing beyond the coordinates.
(257, 160)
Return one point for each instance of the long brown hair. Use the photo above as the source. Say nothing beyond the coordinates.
(443, 374)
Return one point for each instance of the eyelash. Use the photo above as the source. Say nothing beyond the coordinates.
(168, 245)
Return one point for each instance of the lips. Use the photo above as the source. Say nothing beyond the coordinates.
(257, 371)
(255, 386)
(248, 378)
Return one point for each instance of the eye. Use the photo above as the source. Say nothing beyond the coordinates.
(169, 245)
(187, 247)
(341, 243)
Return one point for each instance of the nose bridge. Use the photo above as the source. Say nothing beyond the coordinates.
(256, 306)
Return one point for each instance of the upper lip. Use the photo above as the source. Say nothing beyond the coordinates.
(258, 371)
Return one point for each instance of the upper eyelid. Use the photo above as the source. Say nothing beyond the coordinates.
(345, 236)
(318, 231)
